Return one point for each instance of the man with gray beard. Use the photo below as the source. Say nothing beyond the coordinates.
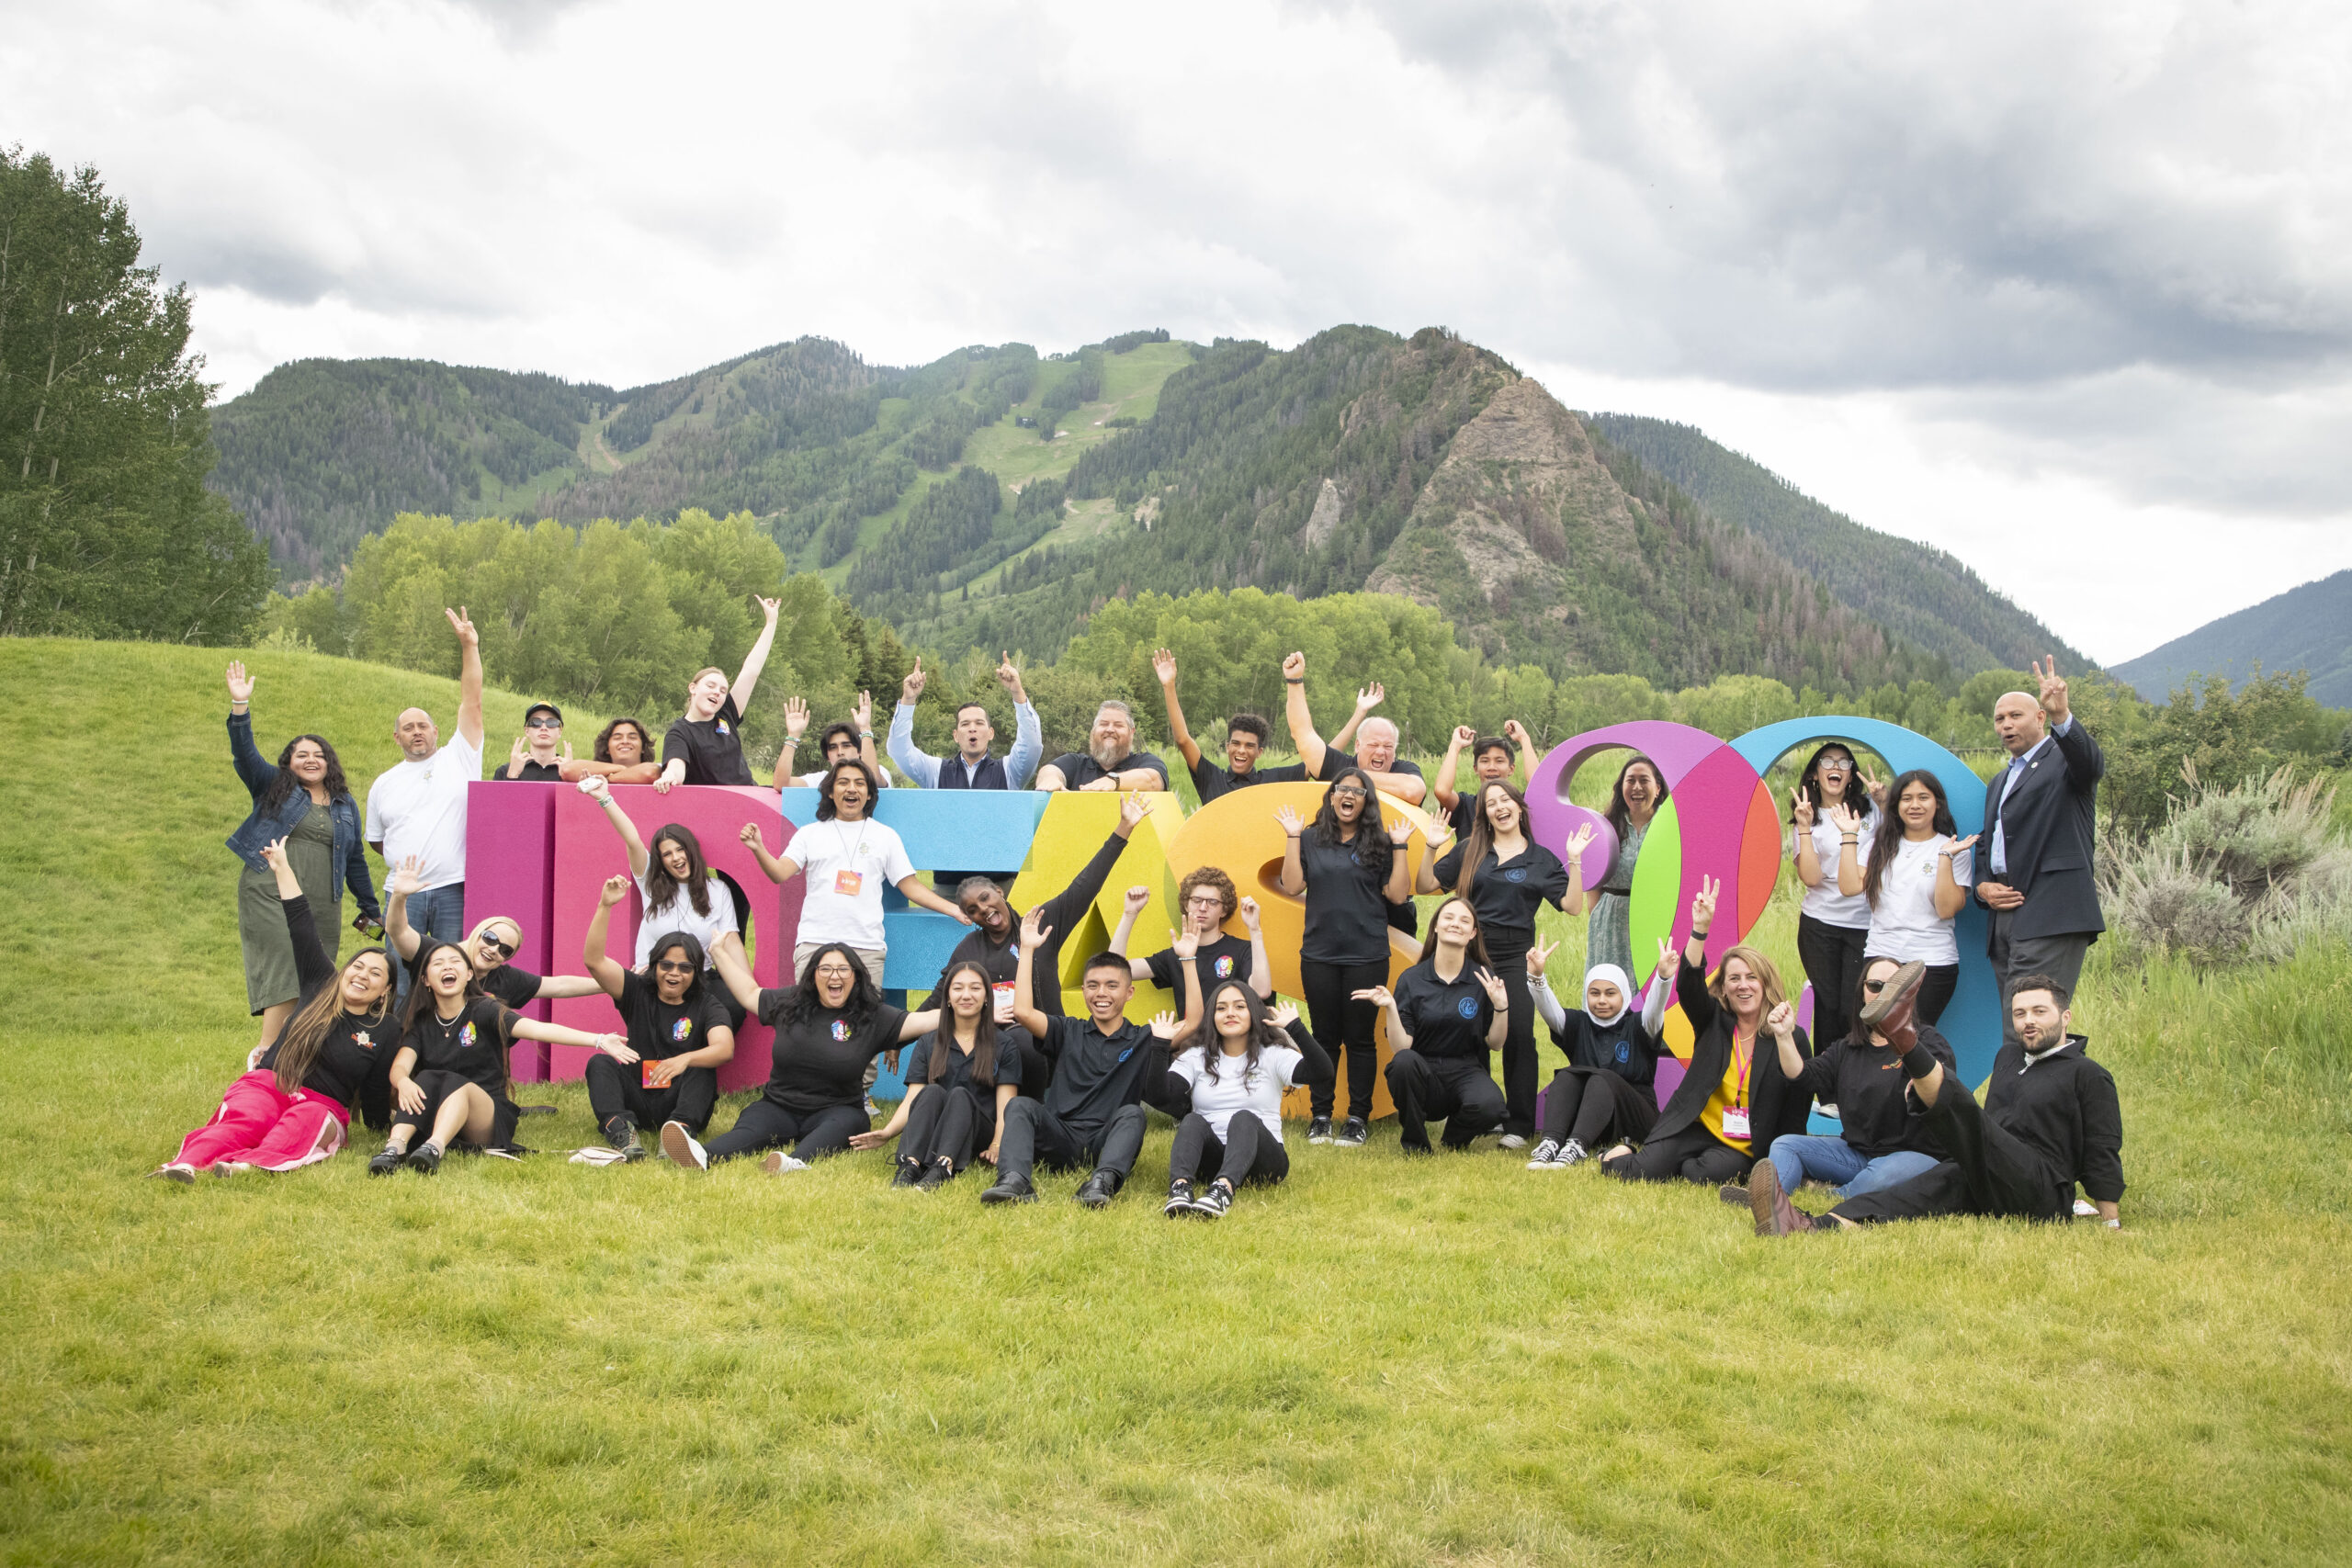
(1110, 760)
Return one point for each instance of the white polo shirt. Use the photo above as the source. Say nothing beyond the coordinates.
(419, 808)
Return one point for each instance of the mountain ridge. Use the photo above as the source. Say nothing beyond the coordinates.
(2308, 627)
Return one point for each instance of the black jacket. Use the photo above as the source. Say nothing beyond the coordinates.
(2046, 833)
(2063, 1108)
(1775, 1105)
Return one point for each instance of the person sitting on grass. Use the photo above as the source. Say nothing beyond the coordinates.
(679, 1034)
(495, 939)
(1207, 899)
(450, 1072)
(1448, 1013)
(624, 756)
(828, 1028)
(2050, 1120)
(1735, 1099)
(841, 741)
(957, 1087)
(1880, 1139)
(1090, 1113)
(1225, 1088)
(293, 1106)
(1608, 1090)
(1245, 739)
(1494, 759)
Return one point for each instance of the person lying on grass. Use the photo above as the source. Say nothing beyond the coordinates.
(957, 1086)
(293, 1105)
(1448, 1013)
(828, 1028)
(1226, 1088)
(450, 1072)
(679, 1034)
(2050, 1120)
(1608, 1090)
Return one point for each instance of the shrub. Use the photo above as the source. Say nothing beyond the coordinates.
(2252, 871)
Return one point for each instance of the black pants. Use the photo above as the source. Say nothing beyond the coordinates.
(1248, 1152)
(438, 1085)
(1342, 1023)
(1506, 956)
(1990, 1172)
(814, 1134)
(617, 1089)
(2014, 957)
(1596, 1108)
(1693, 1155)
(1033, 1133)
(949, 1124)
(1452, 1089)
(1832, 956)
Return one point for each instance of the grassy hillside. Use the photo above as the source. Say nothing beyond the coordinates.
(1450, 1360)
(2307, 628)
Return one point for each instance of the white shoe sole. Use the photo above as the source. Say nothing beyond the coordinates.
(679, 1148)
(779, 1162)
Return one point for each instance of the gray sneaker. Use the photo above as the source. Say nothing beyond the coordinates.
(1514, 1141)
(1546, 1157)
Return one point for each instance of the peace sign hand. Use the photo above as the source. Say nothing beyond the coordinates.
(1491, 983)
(1800, 806)
(1702, 905)
(1538, 955)
(2053, 690)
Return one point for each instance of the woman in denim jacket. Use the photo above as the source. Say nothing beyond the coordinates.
(304, 801)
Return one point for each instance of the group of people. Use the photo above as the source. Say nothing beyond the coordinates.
(414, 1034)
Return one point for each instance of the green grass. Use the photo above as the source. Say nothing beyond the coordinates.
(1450, 1361)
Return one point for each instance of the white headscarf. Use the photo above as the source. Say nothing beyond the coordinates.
(1615, 977)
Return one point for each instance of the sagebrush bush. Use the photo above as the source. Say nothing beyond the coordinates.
(2250, 871)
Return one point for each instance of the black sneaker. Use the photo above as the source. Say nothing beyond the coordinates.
(1733, 1193)
(1546, 1157)
(424, 1160)
(1573, 1153)
(908, 1173)
(1352, 1135)
(388, 1160)
(1180, 1199)
(936, 1175)
(1097, 1191)
(1010, 1190)
(620, 1133)
(1319, 1130)
(1213, 1200)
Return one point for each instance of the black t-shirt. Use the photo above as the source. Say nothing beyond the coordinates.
(1866, 1084)
(1505, 895)
(658, 1029)
(1446, 1020)
(712, 748)
(355, 1049)
(1094, 1073)
(820, 1061)
(512, 985)
(1212, 780)
(472, 1044)
(1079, 770)
(532, 773)
(959, 1073)
(1227, 958)
(1347, 913)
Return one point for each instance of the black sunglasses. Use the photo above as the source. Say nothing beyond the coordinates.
(674, 966)
(540, 721)
(503, 949)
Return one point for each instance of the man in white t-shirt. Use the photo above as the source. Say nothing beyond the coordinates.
(418, 808)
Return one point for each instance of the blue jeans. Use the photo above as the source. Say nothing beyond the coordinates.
(437, 912)
(1797, 1156)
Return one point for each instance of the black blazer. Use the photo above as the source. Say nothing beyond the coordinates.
(1775, 1105)
(2047, 828)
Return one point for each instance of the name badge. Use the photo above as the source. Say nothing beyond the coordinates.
(1005, 994)
(1735, 1122)
(645, 1072)
(847, 882)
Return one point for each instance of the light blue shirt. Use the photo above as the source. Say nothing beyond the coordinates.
(1028, 748)
(1999, 859)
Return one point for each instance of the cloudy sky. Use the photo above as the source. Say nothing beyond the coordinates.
(2065, 290)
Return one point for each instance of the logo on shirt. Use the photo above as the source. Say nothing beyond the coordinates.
(1467, 1007)
(682, 1029)
(465, 1036)
(1624, 1052)
(1223, 967)
(841, 1029)
(723, 729)
(363, 1040)
(1516, 874)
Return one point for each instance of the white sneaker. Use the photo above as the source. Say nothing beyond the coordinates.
(1546, 1157)
(779, 1162)
(2085, 1209)
(1514, 1141)
(678, 1147)
(174, 1170)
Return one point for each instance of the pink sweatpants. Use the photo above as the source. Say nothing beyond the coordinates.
(260, 1125)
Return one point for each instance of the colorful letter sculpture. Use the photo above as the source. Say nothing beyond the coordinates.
(510, 870)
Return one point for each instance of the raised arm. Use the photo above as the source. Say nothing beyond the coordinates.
(1849, 848)
(468, 676)
(1577, 898)
(1034, 934)
(1810, 869)
(253, 771)
(1302, 723)
(1400, 868)
(1498, 997)
(609, 975)
(912, 759)
(1698, 1003)
(1547, 1005)
(1316, 1067)
(1661, 987)
(1261, 974)
(1163, 664)
(1442, 784)
(1130, 905)
(1367, 698)
(311, 965)
(757, 660)
(1028, 734)
(399, 935)
(1066, 909)
(918, 891)
(1782, 1024)
(726, 957)
(2084, 760)
(862, 715)
(597, 789)
(780, 868)
(1293, 879)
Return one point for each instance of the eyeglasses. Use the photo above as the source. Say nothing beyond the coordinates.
(674, 966)
(1211, 902)
(1347, 792)
(541, 721)
(503, 949)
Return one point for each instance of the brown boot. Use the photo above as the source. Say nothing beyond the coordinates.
(1891, 1014)
(1775, 1215)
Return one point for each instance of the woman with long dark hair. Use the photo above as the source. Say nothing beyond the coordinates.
(1508, 878)
(624, 755)
(1609, 1090)
(1225, 1090)
(1449, 1012)
(830, 1025)
(1833, 925)
(1634, 801)
(1351, 866)
(679, 1034)
(673, 880)
(1914, 874)
(450, 1072)
(303, 803)
(293, 1106)
(957, 1086)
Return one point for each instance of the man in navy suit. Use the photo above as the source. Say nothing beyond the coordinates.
(2039, 817)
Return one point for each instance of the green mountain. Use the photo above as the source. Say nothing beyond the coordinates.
(1916, 591)
(996, 497)
(2307, 628)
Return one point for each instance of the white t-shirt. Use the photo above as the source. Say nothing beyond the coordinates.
(1905, 924)
(681, 916)
(1825, 903)
(1258, 1091)
(847, 866)
(419, 808)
